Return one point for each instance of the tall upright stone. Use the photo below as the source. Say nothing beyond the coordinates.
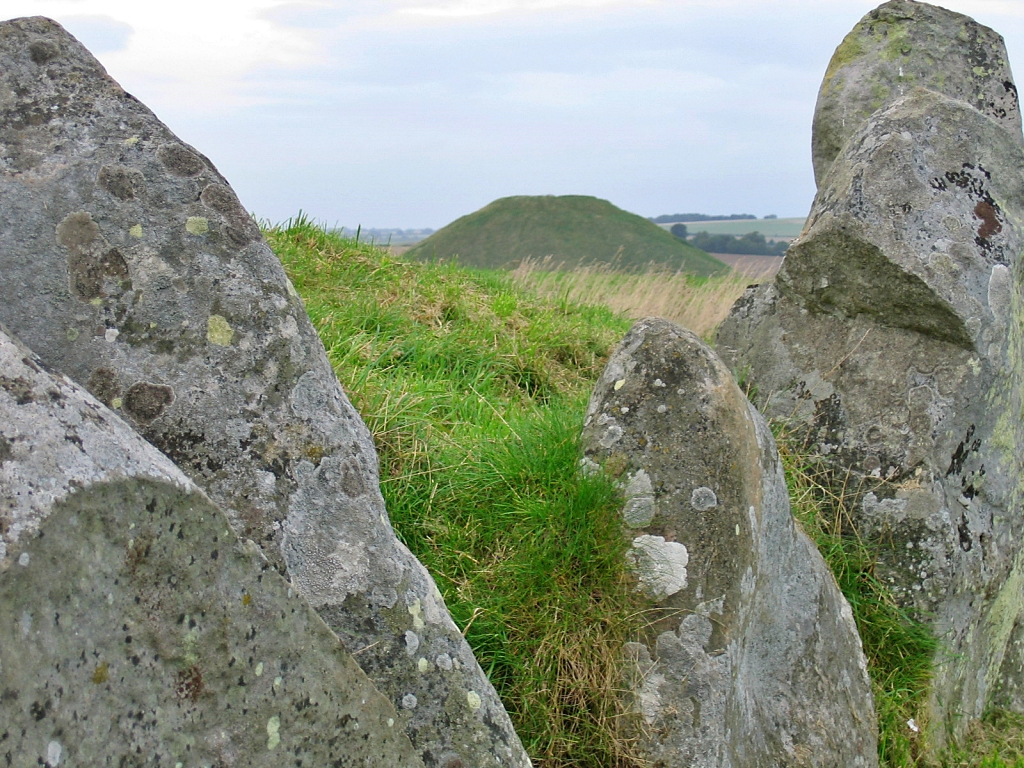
(892, 338)
(130, 265)
(135, 626)
(754, 658)
(902, 45)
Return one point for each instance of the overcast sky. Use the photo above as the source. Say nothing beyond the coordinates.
(410, 113)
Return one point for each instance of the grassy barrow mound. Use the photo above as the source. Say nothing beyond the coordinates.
(572, 230)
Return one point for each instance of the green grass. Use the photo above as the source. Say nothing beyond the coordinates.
(474, 391)
(571, 229)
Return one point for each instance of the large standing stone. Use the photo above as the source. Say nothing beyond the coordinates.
(133, 621)
(903, 45)
(891, 342)
(130, 265)
(755, 658)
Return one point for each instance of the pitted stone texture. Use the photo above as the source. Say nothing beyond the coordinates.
(892, 343)
(134, 621)
(914, 225)
(902, 45)
(130, 265)
(755, 658)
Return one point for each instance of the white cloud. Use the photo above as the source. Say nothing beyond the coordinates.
(192, 53)
(573, 90)
(469, 8)
(100, 34)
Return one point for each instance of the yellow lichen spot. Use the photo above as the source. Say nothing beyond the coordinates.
(981, 72)
(97, 302)
(273, 732)
(197, 225)
(474, 701)
(131, 142)
(278, 681)
(102, 674)
(619, 384)
(416, 611)
(190, 647)
(116, 403)
(136, 231)
(246, 599)
(72, 334)
(422, 665)
(218, 331)
(259, 669)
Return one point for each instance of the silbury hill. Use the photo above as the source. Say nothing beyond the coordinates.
(572, 230)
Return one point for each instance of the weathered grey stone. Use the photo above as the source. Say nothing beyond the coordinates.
(134, 622)
(754, 658)
(130, 265)
(891, 341)
(902, 45)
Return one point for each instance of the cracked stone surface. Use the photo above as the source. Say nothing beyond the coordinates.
(134, 621)
(130, 265)
(754, 658)
(891, 340)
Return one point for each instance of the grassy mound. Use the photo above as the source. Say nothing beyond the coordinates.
(572, 230)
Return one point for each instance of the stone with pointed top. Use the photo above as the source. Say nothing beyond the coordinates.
(753, 657)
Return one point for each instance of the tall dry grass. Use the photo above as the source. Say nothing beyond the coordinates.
(699, 304)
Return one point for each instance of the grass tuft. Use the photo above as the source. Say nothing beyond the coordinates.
(697, 303)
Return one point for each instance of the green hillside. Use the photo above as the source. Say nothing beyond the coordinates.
(571, 229)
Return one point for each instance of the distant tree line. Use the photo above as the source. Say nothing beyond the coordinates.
(751, 244)
(673, 217)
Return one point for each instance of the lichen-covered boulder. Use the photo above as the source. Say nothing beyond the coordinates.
(130, 265)
(754, 658)
(902, 45)
(133, 621)
(891, 342)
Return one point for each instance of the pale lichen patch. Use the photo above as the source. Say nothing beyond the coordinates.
(273, 733)
(54, 752)
(660, 565)
(416, 611)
